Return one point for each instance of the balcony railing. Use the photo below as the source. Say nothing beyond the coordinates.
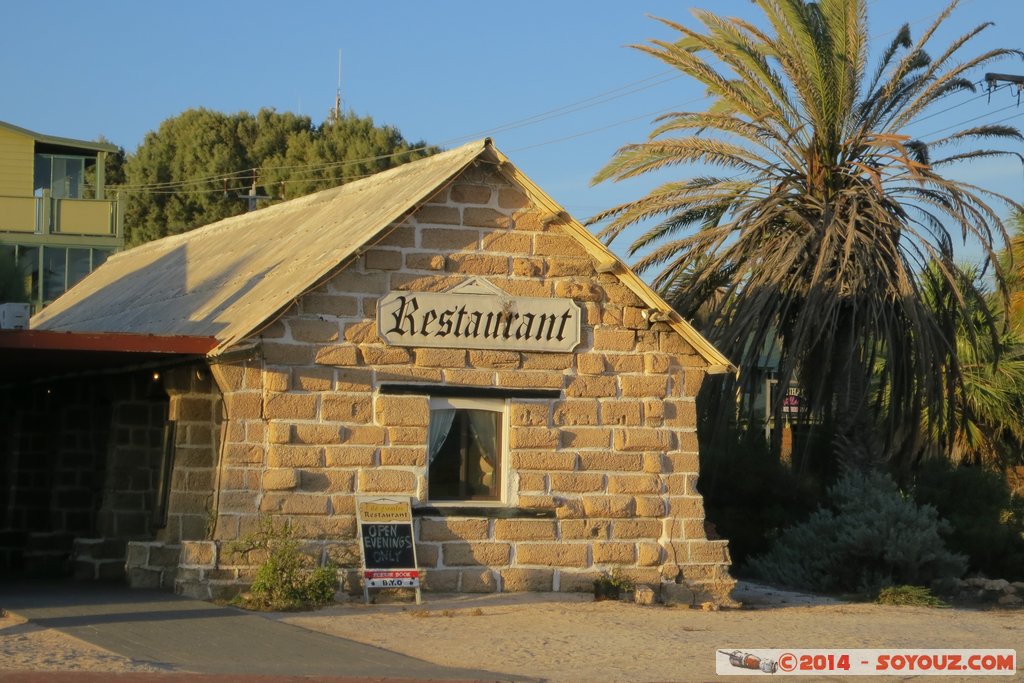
(50, 215)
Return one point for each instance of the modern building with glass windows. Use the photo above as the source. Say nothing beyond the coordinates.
(55, 217)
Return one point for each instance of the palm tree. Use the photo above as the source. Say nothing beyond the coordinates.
(1013, 265)
(815, 236)
(988, 421)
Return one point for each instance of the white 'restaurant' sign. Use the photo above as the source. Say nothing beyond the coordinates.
(478, 315)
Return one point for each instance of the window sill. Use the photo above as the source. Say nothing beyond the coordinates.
(475, 510)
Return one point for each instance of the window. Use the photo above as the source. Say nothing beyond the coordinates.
(78, 266)
(466, 449)
(54, 272)
(63, 176)
(28, 259)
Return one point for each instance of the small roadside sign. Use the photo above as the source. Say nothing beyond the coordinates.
(388, 545)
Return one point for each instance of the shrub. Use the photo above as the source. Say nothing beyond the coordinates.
(987, 521)
(913, 596)
(749, 495)
(870, 536)
(12, 279)
(287, 579)
(611, 585)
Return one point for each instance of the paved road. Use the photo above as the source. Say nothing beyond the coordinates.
(182, 635)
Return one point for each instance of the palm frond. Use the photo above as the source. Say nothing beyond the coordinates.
(833, 224)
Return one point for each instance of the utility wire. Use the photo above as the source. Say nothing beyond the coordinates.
(311, 170)
(624, 90)
(619, 92)
(606, 127)
(973, 119)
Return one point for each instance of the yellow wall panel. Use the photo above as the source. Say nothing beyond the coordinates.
(17, 214)
(16, 159)
(84, 216)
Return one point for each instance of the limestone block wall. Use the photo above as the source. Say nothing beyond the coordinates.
(133, 462)
(152, 564)
(53, 446)
(195, 407)
(196, 410)
(612, 461)
(81, 461)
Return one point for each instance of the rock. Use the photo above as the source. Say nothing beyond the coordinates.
(643, 595)
(1011, 601)
(676, 594)
(728, 602)
(947, 586)
(976, 582)
(996, 585)
(1018, 587)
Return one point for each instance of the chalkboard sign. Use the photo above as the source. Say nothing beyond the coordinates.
(388, 546)
(386, 539)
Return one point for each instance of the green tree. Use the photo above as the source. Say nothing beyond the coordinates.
(1013, 265)
(869, 535)
(988, 415)
(338, 151)
(113, 171)
(12, 279)
(815, 236)
(192, 170)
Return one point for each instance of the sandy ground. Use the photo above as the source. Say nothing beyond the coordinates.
(559, 637)
(27, 647)
(572, 638)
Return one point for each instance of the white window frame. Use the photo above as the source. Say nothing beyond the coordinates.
(497, 405)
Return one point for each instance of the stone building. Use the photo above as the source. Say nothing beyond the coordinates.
(442, 331)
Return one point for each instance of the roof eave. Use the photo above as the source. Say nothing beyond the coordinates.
(106, 341)
(62, 142)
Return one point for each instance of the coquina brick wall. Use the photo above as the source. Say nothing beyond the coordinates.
(614, 460)
(195, 406)
(53, 444)
(82, 466)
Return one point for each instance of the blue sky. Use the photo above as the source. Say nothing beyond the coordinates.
(445, 72)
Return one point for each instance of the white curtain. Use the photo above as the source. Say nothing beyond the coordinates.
(440, 424)
(483, 425)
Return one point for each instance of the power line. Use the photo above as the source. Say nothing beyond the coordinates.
(568, 109)
(606, 127)
(972, 120)
(170, 187)
(619, 92)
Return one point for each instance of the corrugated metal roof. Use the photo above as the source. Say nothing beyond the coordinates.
(228, 279)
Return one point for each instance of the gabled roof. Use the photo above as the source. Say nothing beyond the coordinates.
(232, 278)
(58, 141)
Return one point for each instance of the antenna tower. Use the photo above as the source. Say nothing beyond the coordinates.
(337, 96)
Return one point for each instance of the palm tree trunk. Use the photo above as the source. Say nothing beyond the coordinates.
(855, 439)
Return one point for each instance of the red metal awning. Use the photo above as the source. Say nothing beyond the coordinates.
(27, 355)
